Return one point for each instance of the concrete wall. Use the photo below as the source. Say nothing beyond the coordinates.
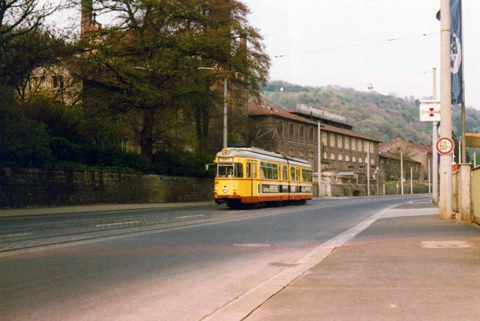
(476, 194)
(33, 187)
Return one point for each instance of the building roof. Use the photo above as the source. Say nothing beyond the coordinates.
(418, 146)
(384, 154)
(255, 109)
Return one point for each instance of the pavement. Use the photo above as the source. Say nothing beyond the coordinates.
(404, 263)
(99, 208)
(407, 265)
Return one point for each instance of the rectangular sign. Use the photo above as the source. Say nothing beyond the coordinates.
(429, 110)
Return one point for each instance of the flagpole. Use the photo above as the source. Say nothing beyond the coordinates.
(464, 145)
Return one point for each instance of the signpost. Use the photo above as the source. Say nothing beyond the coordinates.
(429, 110)
(445, 146)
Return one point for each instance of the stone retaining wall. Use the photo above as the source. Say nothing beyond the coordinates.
(32, 187)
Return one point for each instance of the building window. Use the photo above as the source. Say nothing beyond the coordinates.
(347, 142)
(301, 153)
(57, 82)
(310, 154)
(365, 148)
(324, 138)
(291, 131)
(291, 151)
(354, 142)
(280, 150)
(302, 132)
(339, 141)
(347, 158)
(372, 161)
(359, 145)
(332, 156)
(354, 160)
(360, 160)
(310, 133)
(332, 139)
(325, 156)
(340, 158)
(280, 129)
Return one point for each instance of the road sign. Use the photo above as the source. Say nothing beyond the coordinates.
(445, 146)
(429, 110)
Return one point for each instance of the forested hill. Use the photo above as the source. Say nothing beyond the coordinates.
(384, 117)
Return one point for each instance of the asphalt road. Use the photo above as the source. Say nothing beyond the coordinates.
(170, 264)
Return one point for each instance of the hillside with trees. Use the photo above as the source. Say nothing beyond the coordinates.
(384, 117)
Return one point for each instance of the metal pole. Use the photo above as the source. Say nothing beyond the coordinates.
(474, 159)
(434, 148)
(368, 168)
(429, 181)
(411, 180)
(319, 161)
(225, 139)
(401, 171)
(446, 197)
(460, 151)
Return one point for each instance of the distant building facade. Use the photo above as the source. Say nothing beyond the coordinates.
(344, 152)
(417, 152)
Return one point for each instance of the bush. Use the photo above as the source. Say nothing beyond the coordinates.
(179, 163)
(23, 142)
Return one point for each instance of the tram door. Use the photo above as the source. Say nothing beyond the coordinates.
(252, 175)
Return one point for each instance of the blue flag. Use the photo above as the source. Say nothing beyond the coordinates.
(456, 48)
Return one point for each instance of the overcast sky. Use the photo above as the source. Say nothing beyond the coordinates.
(345, 42)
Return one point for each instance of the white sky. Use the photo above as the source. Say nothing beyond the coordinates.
(345, 42)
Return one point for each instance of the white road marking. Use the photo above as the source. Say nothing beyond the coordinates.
(231, 212)
(12, 235)
(188, 216)
(111, 224)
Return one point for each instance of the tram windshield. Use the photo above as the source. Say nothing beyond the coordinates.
(230, 170)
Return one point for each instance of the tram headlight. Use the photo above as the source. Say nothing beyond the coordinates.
(215, 191)
(234, 191)
(225, 189)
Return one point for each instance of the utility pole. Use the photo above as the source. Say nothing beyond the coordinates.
(368, 168)
(429, 181)
(225, 133)
(411, 180)
(319, 160)
(434, 147)
(401, 171)
(446, 197)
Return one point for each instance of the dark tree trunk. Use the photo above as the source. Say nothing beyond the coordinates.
(146, 135)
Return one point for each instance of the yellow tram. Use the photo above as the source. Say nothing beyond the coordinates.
(249, 175)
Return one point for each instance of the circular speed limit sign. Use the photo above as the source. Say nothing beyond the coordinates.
(445, 145)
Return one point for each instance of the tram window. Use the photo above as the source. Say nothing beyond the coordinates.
(307, 175)
(268, 170)
(297, 175)
(284, 173)
(249, 170)
(292, 173)
(238, 172)
(225, 170)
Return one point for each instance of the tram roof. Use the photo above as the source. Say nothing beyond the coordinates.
(255, 152)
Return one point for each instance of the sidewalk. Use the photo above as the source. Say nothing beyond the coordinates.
(93, 208)
(405, 266)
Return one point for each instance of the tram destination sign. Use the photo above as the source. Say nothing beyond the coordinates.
(429, 110)
(445, 146)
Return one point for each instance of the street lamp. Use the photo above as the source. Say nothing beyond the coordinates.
(224, 106)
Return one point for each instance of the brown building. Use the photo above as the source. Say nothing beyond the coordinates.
(295, 134)
(420, 153)
(390, 167)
